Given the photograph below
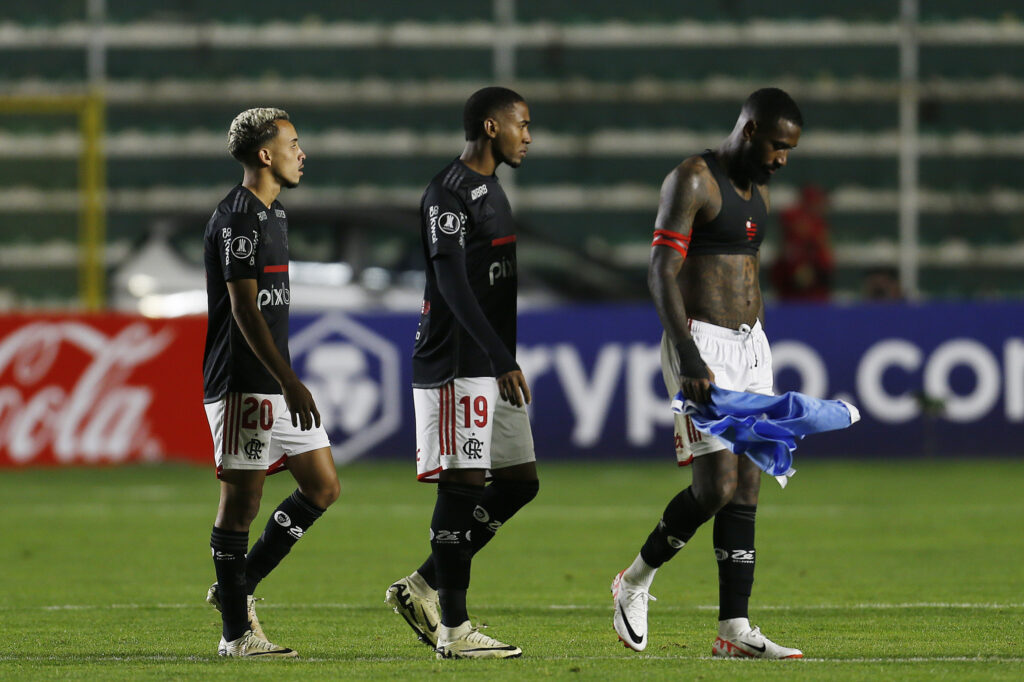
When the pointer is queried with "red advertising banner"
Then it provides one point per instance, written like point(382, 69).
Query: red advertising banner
point(101, 389)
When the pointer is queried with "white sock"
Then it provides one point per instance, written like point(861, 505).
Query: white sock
point(640, 573)
point(732, 627)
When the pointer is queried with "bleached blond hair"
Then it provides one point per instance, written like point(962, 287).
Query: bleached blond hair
point(252, 129)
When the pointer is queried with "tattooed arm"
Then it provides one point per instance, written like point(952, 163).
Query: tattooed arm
point(684, 194)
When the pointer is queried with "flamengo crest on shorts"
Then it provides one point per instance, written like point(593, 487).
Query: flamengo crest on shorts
point(254, 431)
point(464, 425)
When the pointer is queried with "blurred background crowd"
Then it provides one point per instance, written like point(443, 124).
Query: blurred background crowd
point(113, 116)
point(905, 189)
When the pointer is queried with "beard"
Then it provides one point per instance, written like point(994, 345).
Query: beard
point(759, 173)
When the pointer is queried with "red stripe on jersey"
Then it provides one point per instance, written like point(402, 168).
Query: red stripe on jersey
point(451, 420)
point(224, 425)
point(230, 429)
point(232, 424)
point(236, 422)
point(695, 435)
point(441, 403)
point(503, 240)
point(275, 268)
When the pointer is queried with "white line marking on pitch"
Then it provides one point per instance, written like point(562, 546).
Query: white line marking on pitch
point(640, 657)
point(871, 606)
point(812, 607)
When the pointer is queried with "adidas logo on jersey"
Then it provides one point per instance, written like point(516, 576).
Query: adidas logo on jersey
point(477, 192)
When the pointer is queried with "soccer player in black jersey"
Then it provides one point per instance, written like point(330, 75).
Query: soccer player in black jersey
point(469, 392)
point(704, 280)
point(262, 418)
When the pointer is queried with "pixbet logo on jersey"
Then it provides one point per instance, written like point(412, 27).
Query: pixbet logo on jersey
point(501, 268)
point(274, 296)
point(354, 375)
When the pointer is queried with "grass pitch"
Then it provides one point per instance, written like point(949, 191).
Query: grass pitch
point(904, 570)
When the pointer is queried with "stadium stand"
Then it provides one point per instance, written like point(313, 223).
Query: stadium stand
point(619, 94)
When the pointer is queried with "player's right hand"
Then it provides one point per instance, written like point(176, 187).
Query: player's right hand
point(697, 389)
point(301, 405)
point(509, 386)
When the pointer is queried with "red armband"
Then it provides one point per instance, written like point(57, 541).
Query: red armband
point(673, 240)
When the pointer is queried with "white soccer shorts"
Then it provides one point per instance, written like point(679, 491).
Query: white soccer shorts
point(253, 431)
point(741, 360)
point(465, 425)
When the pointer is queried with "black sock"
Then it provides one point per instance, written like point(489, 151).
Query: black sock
point(734, 549)
point(499, 503)
point(289, 522)
point(682, 517)
point(452, 548)
point(228, 548)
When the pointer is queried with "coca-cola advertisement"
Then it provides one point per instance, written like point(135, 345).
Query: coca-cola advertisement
point(101, 389)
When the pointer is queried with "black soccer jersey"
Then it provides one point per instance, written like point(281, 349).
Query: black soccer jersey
point(739, 225)
point(462, 210)
point(244, 240)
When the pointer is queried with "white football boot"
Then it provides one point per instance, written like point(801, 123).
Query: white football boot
point(213, 599)
point(466, 641)
point(250, 645)
point(630, 619)
point(736, 639)
point(415, 601)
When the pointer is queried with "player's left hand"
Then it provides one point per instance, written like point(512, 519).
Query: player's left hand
point(301, 405)
point(509, 386)
point(697, 389)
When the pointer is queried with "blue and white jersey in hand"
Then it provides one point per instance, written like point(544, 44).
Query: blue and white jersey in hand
point(766, 428)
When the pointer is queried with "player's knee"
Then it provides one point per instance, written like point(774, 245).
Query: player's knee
point(324, 493)
point(745, 496)
point(716, 495)
point(518, 493)
point(328, 494)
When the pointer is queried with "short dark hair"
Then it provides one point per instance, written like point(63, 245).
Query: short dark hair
point(768, 105)
point(252, 129)
point(483, 104)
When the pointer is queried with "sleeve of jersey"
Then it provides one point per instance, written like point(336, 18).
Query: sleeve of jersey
point(238, 239)
point(673, 240)
point(450, 270)
point(444, 218)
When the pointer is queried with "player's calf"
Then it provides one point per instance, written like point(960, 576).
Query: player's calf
point(286, 526)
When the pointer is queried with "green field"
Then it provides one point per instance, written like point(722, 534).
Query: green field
point(904, 570)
